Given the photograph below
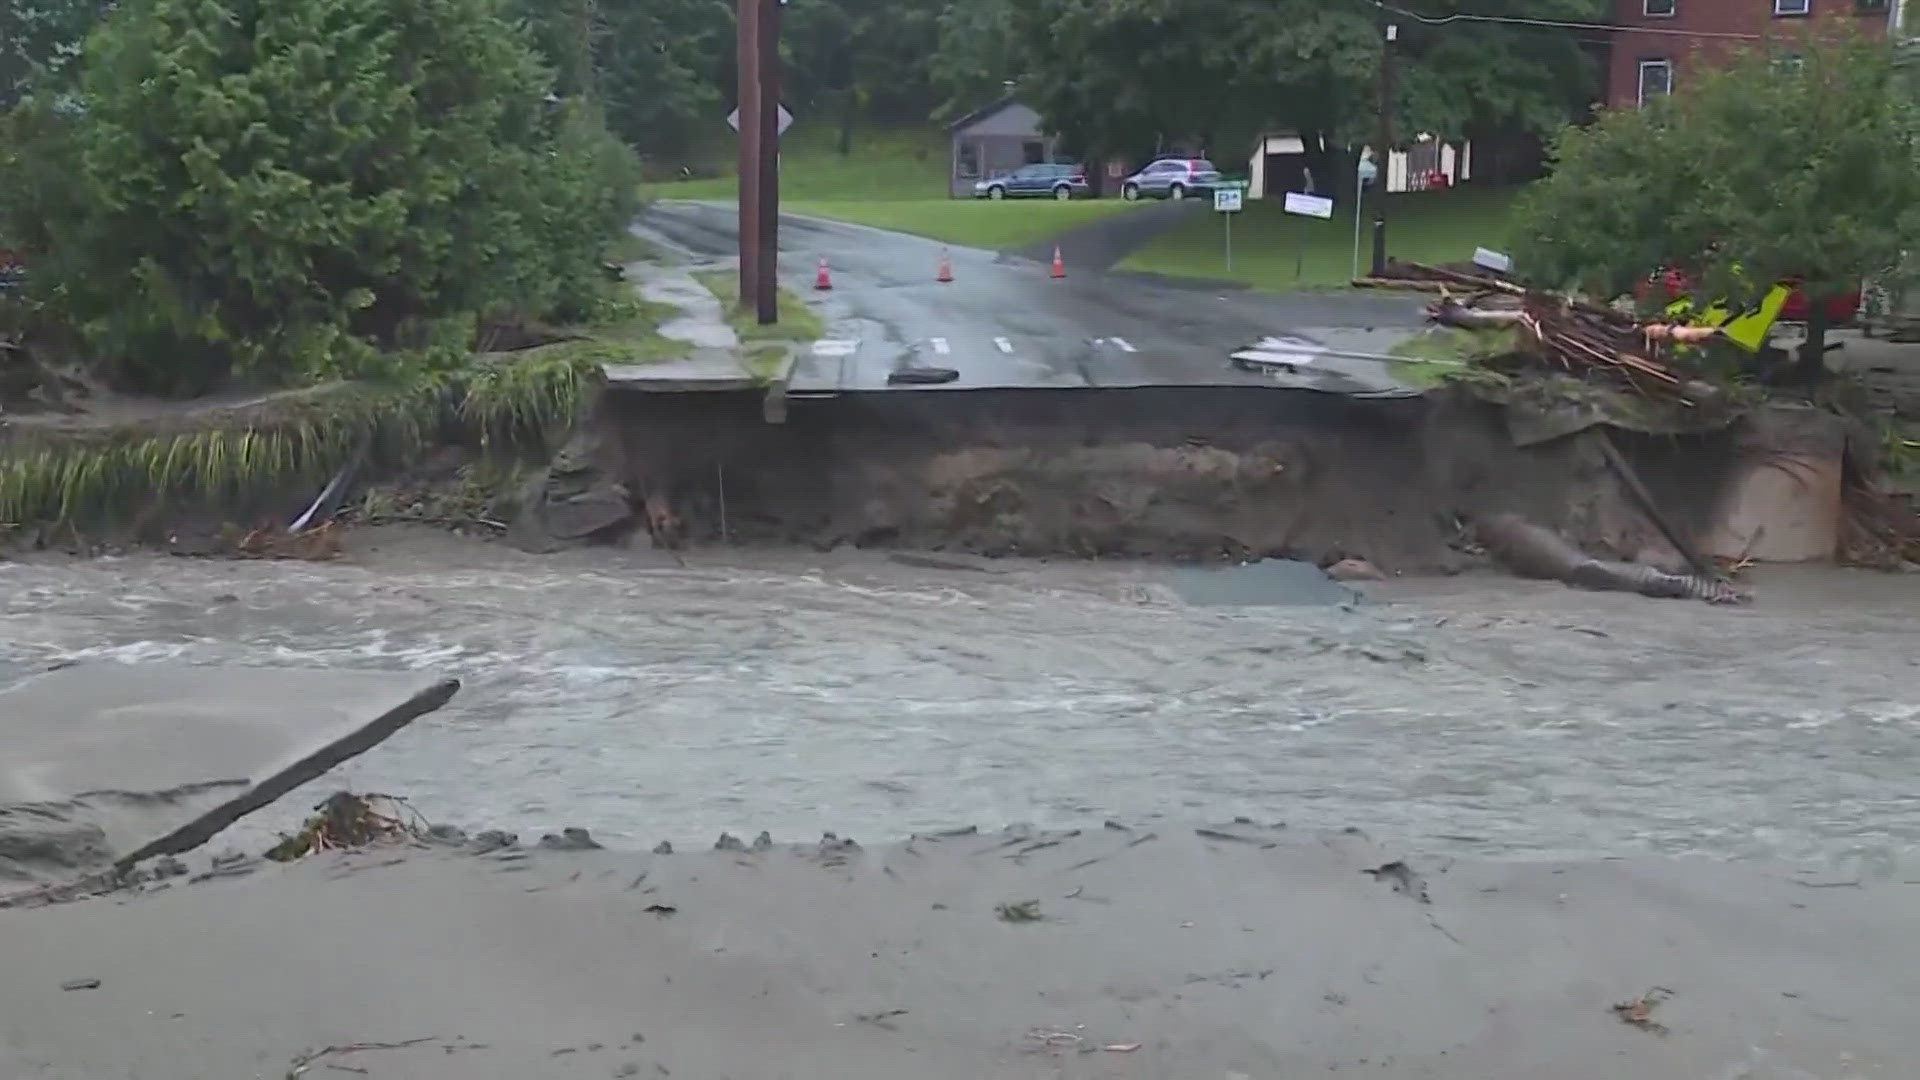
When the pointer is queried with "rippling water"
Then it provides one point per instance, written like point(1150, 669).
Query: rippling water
point(798, 692)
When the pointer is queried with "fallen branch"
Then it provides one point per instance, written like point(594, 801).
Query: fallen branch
point(304, 1062)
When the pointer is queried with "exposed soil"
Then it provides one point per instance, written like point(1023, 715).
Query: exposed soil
point(1159, 473)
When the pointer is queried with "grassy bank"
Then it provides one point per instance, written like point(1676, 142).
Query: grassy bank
point(887, 161)
point(896, 178)
point(76, 473)
point(1279, 251)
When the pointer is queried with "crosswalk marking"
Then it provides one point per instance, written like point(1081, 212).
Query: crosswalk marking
point(940, 346)
point(1003, 345)
point(1281, 351)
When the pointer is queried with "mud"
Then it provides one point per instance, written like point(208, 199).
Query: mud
point(1239, 950)
point(1198, 473)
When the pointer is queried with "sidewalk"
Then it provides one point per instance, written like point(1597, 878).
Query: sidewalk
point(714, 361)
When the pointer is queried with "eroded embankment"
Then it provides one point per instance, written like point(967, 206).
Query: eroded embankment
point(1185, 473)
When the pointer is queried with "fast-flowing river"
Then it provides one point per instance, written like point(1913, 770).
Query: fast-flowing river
point(798, 692)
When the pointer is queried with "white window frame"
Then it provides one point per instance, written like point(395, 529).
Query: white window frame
point(1646, 9)
point(1640, 86)
point(1792, 8)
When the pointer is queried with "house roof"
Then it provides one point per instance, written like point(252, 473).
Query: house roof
point(982, 112)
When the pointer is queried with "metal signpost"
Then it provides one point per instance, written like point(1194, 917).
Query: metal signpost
point(1363, 174)
point(1227, 201)
point(1313, 206)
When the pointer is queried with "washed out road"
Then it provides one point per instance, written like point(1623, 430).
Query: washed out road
point(1004, 322)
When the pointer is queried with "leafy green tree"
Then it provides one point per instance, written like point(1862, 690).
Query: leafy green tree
point(1120, 74)
point(300, 188)
point(41, 36)
point(1775, 167)
point(664, 69)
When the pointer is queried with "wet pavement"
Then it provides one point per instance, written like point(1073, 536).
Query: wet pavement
point(1003, 322)
point(798, 692)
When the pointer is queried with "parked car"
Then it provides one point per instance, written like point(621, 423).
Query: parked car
point(1171, 178)
point(1056, 181)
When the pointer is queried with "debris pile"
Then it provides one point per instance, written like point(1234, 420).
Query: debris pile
point(1575, 336)
point(345, 820)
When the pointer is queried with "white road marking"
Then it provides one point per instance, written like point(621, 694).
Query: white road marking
point(1124, 345)
point(1282, 351)
point(1003, 344)
point(940, 345)
point(834, 347)
point(1261, 356)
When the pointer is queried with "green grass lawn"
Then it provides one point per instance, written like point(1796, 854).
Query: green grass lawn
point(888, 161)
point(975, 223)
point(895, 178)
point(1279, 251)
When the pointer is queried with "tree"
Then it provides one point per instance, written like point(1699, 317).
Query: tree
point(661, 66)
point(299, 188)
point(1118, 74)
point(1775, 167)
point(41, 36)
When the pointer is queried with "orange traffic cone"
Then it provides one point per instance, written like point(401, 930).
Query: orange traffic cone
point(1059, 265)
point(946, 267)
point(821, 279)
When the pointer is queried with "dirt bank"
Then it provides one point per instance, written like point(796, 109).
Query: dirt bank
point(1235, 952)
point(1184, 473)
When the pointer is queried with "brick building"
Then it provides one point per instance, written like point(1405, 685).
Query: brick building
point(1656, 59)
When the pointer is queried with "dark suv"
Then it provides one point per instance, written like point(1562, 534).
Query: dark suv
point(1171, 178)
point(1036, 182)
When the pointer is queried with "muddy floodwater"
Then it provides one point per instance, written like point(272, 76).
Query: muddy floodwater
point(796, 692)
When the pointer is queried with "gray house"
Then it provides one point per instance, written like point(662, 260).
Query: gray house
point(993, 141)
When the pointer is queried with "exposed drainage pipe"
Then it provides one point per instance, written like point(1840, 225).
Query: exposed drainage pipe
point(1533, 552)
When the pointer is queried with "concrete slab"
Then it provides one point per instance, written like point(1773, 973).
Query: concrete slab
point(131, 761)
point(706, 370)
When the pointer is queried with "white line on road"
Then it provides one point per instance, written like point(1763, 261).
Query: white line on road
point(1003, 344)
point(940, 345)
point(1125, 346)
point(1265, 356)
point(834, 347)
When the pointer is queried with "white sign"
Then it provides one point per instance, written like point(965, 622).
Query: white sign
point(1309, 205)
point(786, 120)
point(1492, 260)
point(1226, 200)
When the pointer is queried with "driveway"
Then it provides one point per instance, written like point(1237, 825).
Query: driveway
point(1004, 322)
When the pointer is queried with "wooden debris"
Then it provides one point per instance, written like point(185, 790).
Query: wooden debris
point(1575, 336)
point(317, 544)
point(1639, 1011)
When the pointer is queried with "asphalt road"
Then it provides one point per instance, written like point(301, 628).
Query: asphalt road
point(1004, 322)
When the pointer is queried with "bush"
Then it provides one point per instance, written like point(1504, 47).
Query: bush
point(298, 189)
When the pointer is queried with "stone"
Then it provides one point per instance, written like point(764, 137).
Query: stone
point(663, 848)
point(493, 840)
point(600, 508)
point(1355, 570)
point(571, 838)
point(728, 842)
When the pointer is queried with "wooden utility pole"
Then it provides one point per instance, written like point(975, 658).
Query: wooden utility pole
point(1383, 155)
point(766, 298)
point(748, 59)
